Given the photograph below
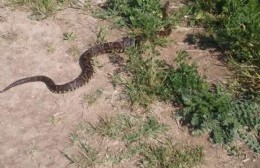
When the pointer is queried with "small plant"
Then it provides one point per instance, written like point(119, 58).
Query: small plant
point(166, 155)
point(115, 79)
point(77, 4)
point(69, 36)
point(181, 81)
point(251, 140)
point(86, 156)
point(74, 51)
point(50, 48)
point(55, 119)
point(101, 36)
point(234, 149)
point(92, 98)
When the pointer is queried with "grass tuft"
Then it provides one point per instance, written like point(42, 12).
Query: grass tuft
point(41, 9)
point(128, 128)
point(140, 142)
point(167, 155)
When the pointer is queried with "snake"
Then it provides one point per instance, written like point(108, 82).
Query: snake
point(85, 60)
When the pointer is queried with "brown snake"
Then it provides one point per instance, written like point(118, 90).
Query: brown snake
point(85, 61)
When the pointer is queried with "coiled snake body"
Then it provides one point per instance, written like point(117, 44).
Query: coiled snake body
point(85, 61)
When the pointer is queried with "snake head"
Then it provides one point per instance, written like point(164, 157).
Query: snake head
point(127, 42)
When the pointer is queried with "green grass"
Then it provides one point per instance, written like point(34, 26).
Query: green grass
point(234, 25)
point(101, 35)
point(69, 36)
point(145, 76)
point(74, 51)
point(90, 99)
point(127, 128)
point(41, 9)
point(86, 156)
point(151, 79)
point(141, 17)
point(166, 155)
point(205, 108)
point(144, 140)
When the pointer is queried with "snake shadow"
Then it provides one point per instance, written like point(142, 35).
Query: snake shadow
point(205, 42)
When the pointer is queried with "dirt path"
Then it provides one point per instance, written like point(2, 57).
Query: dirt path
point(35, 124)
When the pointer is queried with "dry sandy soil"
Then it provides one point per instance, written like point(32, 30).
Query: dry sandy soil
point(35, 123)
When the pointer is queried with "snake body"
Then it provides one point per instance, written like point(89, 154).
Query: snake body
point(85, 61)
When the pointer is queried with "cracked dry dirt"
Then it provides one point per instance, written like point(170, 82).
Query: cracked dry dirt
point(35, 123)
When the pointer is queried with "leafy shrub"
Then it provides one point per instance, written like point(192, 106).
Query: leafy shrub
point(143, 15)
point(181, 80)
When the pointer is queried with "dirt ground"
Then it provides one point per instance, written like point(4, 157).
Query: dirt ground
point(35, 124)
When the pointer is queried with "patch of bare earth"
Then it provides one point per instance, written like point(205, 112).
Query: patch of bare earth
point(35, 124)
